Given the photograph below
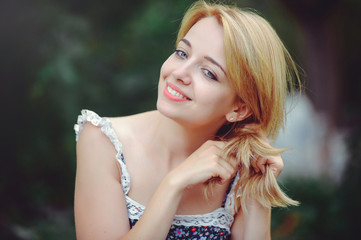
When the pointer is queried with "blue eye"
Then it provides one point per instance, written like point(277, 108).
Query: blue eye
point(180, 53)
point(209, 74)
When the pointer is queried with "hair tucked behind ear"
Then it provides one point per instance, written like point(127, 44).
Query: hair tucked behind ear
point(260, 69)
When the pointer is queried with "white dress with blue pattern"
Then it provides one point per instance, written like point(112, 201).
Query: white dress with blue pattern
point(215, 225)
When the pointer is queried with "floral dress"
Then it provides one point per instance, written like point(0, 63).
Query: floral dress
point(215, 225)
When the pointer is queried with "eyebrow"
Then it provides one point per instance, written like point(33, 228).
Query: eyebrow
point(206, 57)
point(186, 42)
point(215, 63)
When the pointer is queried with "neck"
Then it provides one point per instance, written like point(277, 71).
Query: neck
point(177, 141)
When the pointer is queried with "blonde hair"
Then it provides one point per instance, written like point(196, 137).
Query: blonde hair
point(261, 71)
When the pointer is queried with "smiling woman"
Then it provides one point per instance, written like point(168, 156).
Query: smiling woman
point(200, 166)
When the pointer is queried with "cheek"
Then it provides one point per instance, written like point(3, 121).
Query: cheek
point(213, 95)
point(218, 100)
point(166, 67)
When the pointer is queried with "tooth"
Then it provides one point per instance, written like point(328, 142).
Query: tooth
point(175, 93)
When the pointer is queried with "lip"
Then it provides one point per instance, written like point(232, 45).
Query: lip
point(172, 97)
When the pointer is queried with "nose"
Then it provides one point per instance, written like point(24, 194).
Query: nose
point(183, 73)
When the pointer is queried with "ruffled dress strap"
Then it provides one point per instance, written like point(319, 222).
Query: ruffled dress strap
point(107, 128)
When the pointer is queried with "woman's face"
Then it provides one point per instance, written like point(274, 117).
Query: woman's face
point(193, 85)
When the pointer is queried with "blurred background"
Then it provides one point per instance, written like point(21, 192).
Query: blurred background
point(58, 57)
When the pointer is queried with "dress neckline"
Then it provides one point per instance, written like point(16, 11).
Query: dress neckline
point(108, 130)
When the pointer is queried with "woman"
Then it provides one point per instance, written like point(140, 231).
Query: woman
point(199, 167)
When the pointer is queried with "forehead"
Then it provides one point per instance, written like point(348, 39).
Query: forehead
point(207, 36)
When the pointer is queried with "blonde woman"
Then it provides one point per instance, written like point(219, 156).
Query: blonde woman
point(199, 166)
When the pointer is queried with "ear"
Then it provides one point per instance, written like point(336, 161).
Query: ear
point(238, 113)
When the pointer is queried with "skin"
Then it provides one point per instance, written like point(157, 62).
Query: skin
point(171, 156)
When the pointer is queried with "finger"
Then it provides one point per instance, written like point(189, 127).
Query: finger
point(229, 167)
point(274, 170)
point(261, 164)
point(254, 165)
point(226, 169)
point(276, 164)
point(233, 163)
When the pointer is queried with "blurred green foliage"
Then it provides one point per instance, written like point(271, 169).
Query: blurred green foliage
point(63, 56)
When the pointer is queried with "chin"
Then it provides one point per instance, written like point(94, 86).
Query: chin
point(166, 110)
point(186, 120)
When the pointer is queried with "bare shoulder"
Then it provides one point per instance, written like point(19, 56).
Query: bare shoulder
point(91, 136)
point(128, 127)
point(96, 151)
point(94, 144)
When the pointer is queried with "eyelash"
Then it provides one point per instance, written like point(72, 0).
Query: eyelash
point(178, 52)
point(209, 74)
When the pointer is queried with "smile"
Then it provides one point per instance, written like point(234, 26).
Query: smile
point(173, 94)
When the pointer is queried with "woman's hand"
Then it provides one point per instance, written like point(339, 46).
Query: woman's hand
point(204, 164)
point(274, 162)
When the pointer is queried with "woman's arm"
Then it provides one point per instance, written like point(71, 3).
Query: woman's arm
point(100, 209)
point(256, 223)
point(253, 225)
point(99, 203)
